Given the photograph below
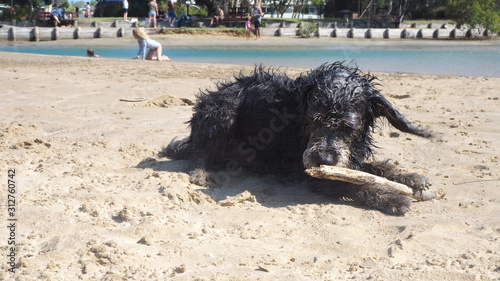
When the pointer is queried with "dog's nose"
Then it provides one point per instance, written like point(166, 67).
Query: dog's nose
point(326, 159)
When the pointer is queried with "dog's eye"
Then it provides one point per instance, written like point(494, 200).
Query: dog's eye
point(348, 126)
point(334, 120)
point(343, 122)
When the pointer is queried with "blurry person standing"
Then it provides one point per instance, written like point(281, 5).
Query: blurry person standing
point(257, 18)
point(125, 10)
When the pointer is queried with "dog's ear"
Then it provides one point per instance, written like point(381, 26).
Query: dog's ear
point(306, 91)
point(382, 107)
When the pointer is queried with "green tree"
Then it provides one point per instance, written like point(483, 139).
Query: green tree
point(25, 9)
point(280, 6)
point(320, 6)
point(209, 4)
point(482, 14)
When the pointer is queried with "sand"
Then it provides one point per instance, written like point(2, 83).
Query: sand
point(94, 202)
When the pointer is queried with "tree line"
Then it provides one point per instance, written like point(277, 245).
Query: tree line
point(483, 14)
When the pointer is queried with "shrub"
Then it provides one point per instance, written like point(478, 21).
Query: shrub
point(306, 30)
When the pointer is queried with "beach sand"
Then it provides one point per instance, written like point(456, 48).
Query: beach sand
point(94, 202)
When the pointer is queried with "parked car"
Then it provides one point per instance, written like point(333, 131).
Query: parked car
point(109, 8)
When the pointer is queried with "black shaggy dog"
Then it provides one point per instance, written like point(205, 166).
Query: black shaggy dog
point(268, 122)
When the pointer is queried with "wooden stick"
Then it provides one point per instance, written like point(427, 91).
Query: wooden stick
point(359, 178)
point(356, 177)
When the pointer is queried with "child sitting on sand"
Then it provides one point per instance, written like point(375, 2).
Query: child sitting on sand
point(145, 43)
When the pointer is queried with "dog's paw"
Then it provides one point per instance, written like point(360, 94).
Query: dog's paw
point(415, 181)
point(387, 201)
point(199, 177)
point(426, 195)
point(397, 206)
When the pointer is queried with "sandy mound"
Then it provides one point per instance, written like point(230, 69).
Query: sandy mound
point(168, 101)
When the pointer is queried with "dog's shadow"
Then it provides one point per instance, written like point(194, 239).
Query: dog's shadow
point(267, 190)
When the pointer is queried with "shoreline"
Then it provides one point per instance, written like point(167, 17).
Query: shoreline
point(183, 40)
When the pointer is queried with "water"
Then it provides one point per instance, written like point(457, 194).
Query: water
point(445, 58)
point(470, 61)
